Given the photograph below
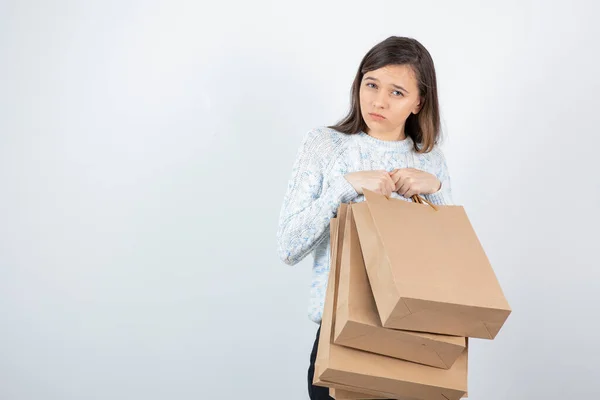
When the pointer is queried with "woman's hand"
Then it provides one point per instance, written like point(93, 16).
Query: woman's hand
point(411, 181)
point(375, 181)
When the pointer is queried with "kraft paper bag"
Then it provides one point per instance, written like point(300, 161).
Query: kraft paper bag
point(343, 391)
point(427, 269)
point(357, 323)
point(341, 394)
point(374, 374)
point(345, 394)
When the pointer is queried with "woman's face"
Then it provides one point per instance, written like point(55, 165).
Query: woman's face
point(392, 93)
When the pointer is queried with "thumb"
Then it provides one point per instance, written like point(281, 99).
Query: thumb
point(395, 176)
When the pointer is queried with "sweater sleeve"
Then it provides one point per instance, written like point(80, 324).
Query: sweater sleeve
point(308, 206)
point(444, 195)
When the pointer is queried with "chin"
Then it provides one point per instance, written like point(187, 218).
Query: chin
point(374, 126)
point(370, 124)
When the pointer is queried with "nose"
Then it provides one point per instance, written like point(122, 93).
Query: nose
point(380, 100)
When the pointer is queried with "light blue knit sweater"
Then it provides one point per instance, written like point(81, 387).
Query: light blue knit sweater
point(317, 187)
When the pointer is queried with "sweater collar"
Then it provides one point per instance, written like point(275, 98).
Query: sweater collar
point(406, 144)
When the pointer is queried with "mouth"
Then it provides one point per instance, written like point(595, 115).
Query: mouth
point(376, 116)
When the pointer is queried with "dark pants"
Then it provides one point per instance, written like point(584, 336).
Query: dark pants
point(316, 392)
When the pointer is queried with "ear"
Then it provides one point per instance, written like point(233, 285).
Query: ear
point(418, 107)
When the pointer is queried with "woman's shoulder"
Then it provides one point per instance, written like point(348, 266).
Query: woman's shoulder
point(436, 153)
point(324, 140)
point(433, 159)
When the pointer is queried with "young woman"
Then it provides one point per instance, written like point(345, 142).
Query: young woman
point(388, 143)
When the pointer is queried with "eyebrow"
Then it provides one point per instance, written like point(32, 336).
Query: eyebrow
point(370, 78)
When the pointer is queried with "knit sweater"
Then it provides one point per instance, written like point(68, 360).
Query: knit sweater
point(317, 187)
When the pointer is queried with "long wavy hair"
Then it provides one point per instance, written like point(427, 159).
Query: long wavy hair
point(423, 127)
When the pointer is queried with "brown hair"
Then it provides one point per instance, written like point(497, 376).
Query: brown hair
point(424, 127)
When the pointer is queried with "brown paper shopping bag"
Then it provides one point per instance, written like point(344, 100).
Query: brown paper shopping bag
point(343, 391)
point(373, 374)
point(357, 323)
point(341, 394)
point(427, 269)
point(345, 394)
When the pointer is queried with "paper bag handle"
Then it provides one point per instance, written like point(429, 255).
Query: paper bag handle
point(418, 199)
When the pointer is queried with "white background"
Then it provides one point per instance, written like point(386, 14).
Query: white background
point(145, 149)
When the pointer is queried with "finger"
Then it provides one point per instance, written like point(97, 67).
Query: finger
point(408, 186)
point(403, 188)
point(391, 185)
point(398, 176)
point(383, 183)
point(403, 184)
point(394, 176)
point(385, 191)
point(410, 193)
point(381, 188)
point(414, 189)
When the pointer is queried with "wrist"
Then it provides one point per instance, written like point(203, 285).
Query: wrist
point(349, 178)
point(350, 182)
point(437, 187)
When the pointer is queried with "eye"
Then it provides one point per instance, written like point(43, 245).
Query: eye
point(399, 93)
point(368, 85)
